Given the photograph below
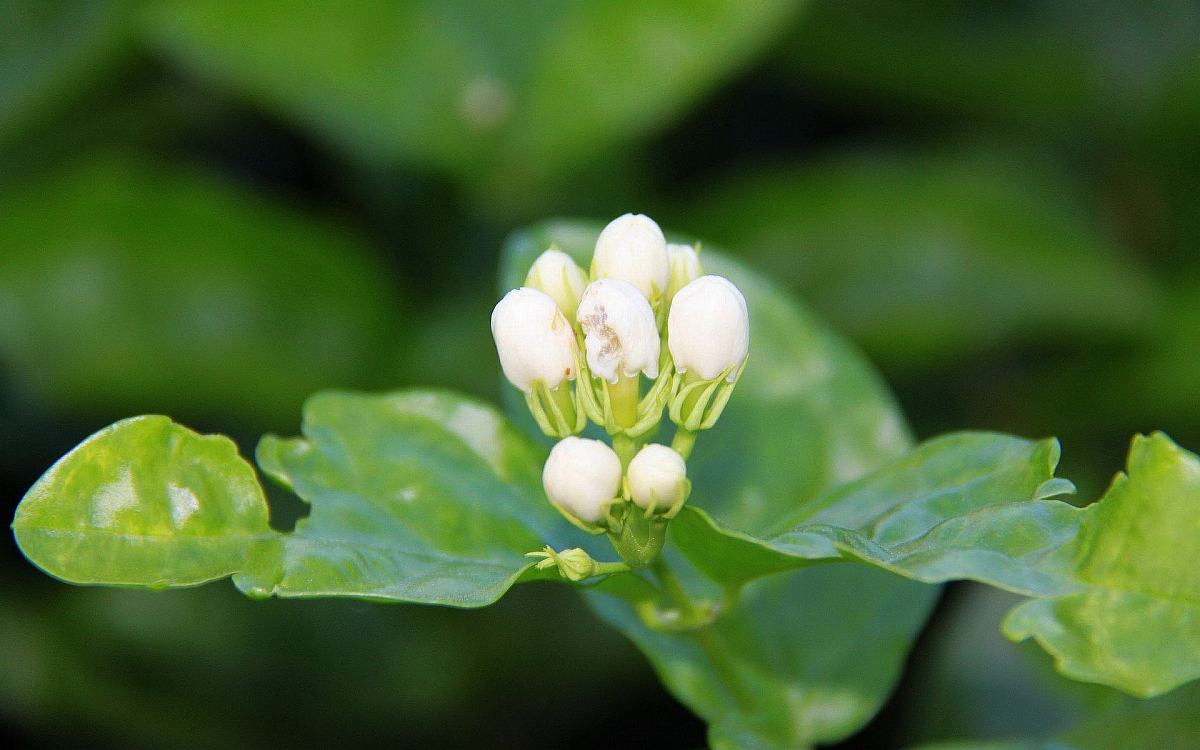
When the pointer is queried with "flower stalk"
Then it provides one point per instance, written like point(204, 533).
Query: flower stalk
point(623, 395)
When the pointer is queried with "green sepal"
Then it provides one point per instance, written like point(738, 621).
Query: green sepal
point(650, 408)
point(546, 406)
point(596, 402)
point(678, 504)
point(638, 537)
point(660, 303)
point(652, 510)
point(697, 405)
point(582, 525)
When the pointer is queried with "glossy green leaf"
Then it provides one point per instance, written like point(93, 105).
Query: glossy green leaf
point(145, 502)
point(1137, 624)
point(416, 496)
point(1115, 597)
point(807, 415)
point(125, 288)
point(925, 257)
point(513, 91)
point(965, 505)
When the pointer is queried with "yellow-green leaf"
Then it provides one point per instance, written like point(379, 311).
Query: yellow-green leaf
point(145, 502)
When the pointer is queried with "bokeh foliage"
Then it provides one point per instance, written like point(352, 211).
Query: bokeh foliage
point(212, 209)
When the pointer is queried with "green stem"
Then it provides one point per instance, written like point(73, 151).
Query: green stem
point(624, 398)
point(689, 403)
point(566, 407)
point(683, 442)
point(606, 568)
point(725, 667)
point(671, 586)
point(706, 637)
point(625, 448)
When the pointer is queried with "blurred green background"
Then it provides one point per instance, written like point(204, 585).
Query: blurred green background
point(211, 209)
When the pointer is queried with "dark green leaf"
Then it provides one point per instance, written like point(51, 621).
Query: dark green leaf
point(1116, 598)
point(808, 414)
point(1167, 722)
point(923, 257)
point(416, 496)
point(51, 51)
point(1057, 65)
point(525, 90)
point(126, 288)
point(961, 506)
point(145, 502)
point(1157, 380)
point(973, 683)
point(806, 657)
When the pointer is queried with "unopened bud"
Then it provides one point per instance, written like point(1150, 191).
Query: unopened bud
point(708, 329)
point(621, 337)
point(573, 564)
point(658, 478)
point(581, 476)
point(685, 267)
point(556, 274)
point(535, 342)
point(632, 248)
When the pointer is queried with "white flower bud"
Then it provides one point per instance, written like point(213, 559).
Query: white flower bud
point(580, 476)
point(708, 328)
point(685, 267)
point(535, 342)
point(556, 274)
point(632, 248)
point(620, 335)
point(657, 475)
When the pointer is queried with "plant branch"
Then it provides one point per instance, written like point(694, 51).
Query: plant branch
point(706, 637)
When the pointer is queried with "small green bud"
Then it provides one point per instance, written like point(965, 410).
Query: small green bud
point(574, 564)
